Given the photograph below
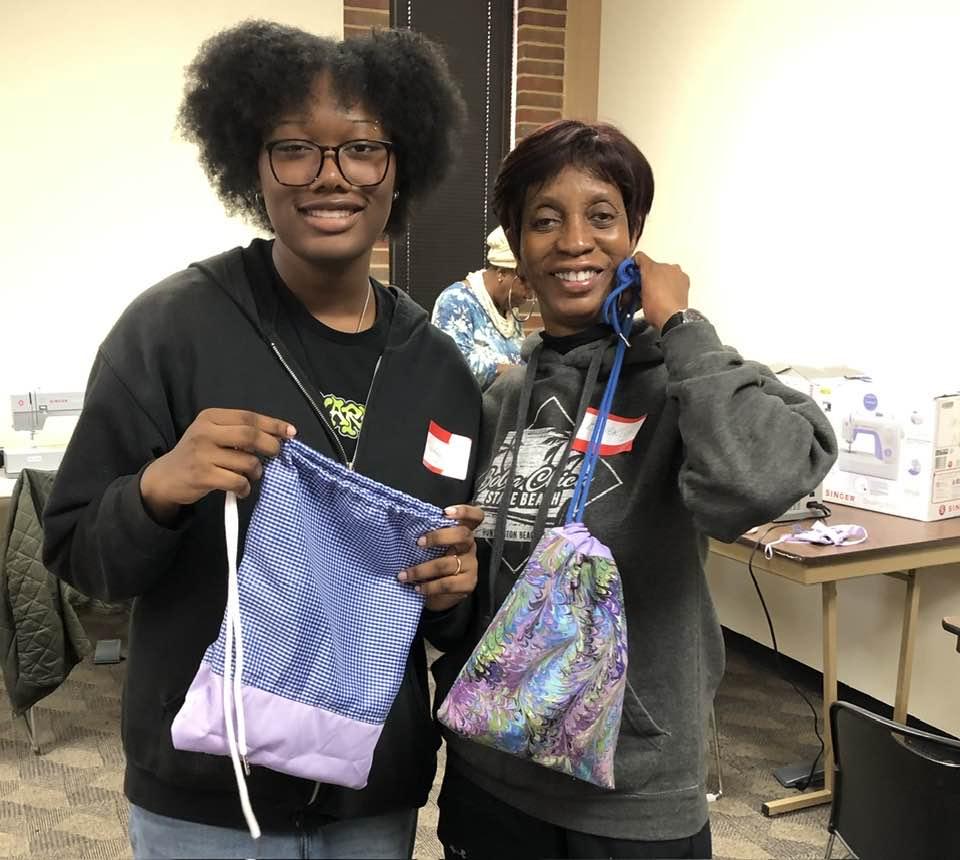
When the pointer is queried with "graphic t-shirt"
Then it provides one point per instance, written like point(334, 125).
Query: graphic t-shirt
point(547, 431)
point(340, 365)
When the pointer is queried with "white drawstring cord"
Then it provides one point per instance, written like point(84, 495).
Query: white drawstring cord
point(238, 670)
point(232, 686)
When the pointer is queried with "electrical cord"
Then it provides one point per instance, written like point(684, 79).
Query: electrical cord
point(823, 512)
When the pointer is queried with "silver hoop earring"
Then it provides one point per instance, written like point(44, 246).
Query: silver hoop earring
point(513, 310)
point(523, 319)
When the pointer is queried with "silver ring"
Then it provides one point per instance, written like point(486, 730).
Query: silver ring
point(459, 566)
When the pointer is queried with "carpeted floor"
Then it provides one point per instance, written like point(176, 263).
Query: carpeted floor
point(68, 801)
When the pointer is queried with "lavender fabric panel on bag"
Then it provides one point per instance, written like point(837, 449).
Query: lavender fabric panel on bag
point(312, 741)
point(326, 626)
point(546, 680)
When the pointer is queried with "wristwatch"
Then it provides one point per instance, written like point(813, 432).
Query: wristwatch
point(680, 317)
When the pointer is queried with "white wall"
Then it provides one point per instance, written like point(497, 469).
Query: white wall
point(808, 180)
point(102, 199)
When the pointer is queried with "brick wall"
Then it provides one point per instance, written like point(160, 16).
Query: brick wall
point(359, 16)
point(541, 32)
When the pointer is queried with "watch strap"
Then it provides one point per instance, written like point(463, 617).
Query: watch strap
point(679, 318)
point(672, 322)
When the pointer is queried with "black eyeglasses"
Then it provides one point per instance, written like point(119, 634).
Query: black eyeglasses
point(297, 163)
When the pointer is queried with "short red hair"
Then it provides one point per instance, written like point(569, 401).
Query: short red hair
point(600, 148)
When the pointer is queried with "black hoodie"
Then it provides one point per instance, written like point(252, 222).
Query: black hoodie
point(200, 339)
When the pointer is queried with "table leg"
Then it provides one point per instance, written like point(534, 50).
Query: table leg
point(905, 666)
point(829, 677)
point(824, 795)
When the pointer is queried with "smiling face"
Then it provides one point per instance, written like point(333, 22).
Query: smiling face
point(573, 235)
point(330, 221)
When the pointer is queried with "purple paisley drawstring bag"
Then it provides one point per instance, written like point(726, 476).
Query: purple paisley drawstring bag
point(546, 680)
point(317, 628)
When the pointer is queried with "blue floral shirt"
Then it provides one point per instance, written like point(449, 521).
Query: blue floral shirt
point(460, 313)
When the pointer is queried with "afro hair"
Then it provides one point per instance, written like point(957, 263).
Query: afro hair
point(244, 78)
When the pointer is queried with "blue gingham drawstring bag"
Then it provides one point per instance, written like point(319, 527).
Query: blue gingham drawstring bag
point(317, 628)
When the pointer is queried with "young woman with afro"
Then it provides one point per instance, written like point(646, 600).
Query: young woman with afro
point(326, 145)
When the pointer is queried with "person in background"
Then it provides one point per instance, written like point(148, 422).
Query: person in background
point(481, 314)
point(208, 372)
point(700, 443)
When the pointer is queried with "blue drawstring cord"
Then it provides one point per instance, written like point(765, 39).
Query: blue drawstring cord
point(621, 321)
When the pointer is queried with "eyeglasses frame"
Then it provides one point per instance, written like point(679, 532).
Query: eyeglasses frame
point(269, 147)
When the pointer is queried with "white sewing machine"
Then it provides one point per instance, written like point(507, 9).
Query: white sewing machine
point(30, 414)
point(880, 456)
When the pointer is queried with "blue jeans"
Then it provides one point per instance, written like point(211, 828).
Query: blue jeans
point(380, 836)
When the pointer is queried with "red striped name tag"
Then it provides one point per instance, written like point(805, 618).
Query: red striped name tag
point(618, 433)
point(447, 453)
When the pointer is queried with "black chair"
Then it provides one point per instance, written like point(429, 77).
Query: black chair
point(896, 790)
point(952, 625)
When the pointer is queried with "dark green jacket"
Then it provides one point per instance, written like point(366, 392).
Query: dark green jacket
point(41, 637)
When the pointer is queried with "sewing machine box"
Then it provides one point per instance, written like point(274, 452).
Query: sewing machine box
point(818, 383)
point(899, 447)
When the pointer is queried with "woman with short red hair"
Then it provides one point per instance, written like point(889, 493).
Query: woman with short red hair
point(701, 443)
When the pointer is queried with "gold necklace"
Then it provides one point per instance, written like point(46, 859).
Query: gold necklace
point(363, 313)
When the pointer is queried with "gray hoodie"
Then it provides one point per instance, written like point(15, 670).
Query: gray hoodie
point(702, 443)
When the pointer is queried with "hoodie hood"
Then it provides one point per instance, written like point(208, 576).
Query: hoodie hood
point(258, 302)
point(644, 349)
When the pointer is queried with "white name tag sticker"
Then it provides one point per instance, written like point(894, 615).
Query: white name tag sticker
point(447, 453)
point(618, 433)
